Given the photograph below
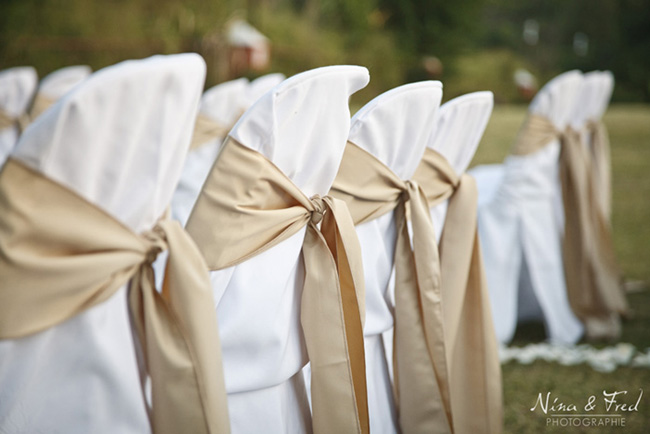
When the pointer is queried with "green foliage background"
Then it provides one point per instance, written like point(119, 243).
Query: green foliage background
point(478, 41)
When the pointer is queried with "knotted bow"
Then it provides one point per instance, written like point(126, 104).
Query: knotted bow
point(247, 206)
point(472, 351)
point(56, 264)
point(370, 190)
point(590, 267)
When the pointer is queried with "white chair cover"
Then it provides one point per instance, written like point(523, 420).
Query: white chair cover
point(519, 229)
point(17, 86)
point(58, 83)
point(261, 85)
point(120, 141)
point(223, 104)
point(394, 127)
point(460, 124)
point(301, 126)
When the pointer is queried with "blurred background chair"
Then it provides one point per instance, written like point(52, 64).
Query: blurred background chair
point(120, 141)
point(221, 107)
point(519, 229)
point(17, 86)
point(56, 84)
point(261, 85)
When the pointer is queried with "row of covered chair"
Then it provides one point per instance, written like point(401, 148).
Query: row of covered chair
point(544, 217)
point(23, 98)
point(329, 277)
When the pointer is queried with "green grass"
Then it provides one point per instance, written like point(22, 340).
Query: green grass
point(629, 130)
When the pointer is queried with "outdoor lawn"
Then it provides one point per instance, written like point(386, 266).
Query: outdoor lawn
point(629, 129)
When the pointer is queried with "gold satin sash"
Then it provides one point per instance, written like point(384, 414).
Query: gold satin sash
point(40, 104)
point(207, 130)
point(60, 255)
point(602, 166)
point(8, 121)
point(420, 367)
point(472, 350)
point(590, 268)
point(247, 206)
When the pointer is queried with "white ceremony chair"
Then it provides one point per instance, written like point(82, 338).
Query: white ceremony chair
point(520, 233)
point(17, 86)
point(394, 127)
point(119, 141)
point(470, 341)
point(56, 84)
point(460, 124)
point(301, 126)
point(221, 106)
point(592, 104)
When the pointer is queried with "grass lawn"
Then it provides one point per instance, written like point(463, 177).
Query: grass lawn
point(629, 130)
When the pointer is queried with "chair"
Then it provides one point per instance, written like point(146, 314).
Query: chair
point(598, 297)
point(120, 141)
point(460, 124)
point(300, 126)
point(221, 106)
point(470, 341)
point(519, 229)
point(394, 128)
point(56, 84)
point(17, 86)
point(594, 99)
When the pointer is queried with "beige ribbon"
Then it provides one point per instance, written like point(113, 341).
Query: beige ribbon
point(602, 166)
point(41, 103)
point(60, 255)
point(591, 271)
point(8, 121)
point(207, 130)
point(371, 190)
point(247, 206)
point(472, 350)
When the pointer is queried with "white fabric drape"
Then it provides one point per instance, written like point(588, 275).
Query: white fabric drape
point(125, 156)
point(17, 86)
point(301, 126)
point(519, 228)
point(394, 127)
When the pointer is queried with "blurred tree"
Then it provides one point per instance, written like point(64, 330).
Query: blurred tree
point(434, 26)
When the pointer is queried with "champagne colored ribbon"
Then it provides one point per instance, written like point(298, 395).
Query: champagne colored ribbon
point(60, 255)
point(602, 166)
point(8, 121)
point(472, 350)
point(247, 206)
point(591, 271)
point(207, 130)
point(371, 190)
point(41, 103)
